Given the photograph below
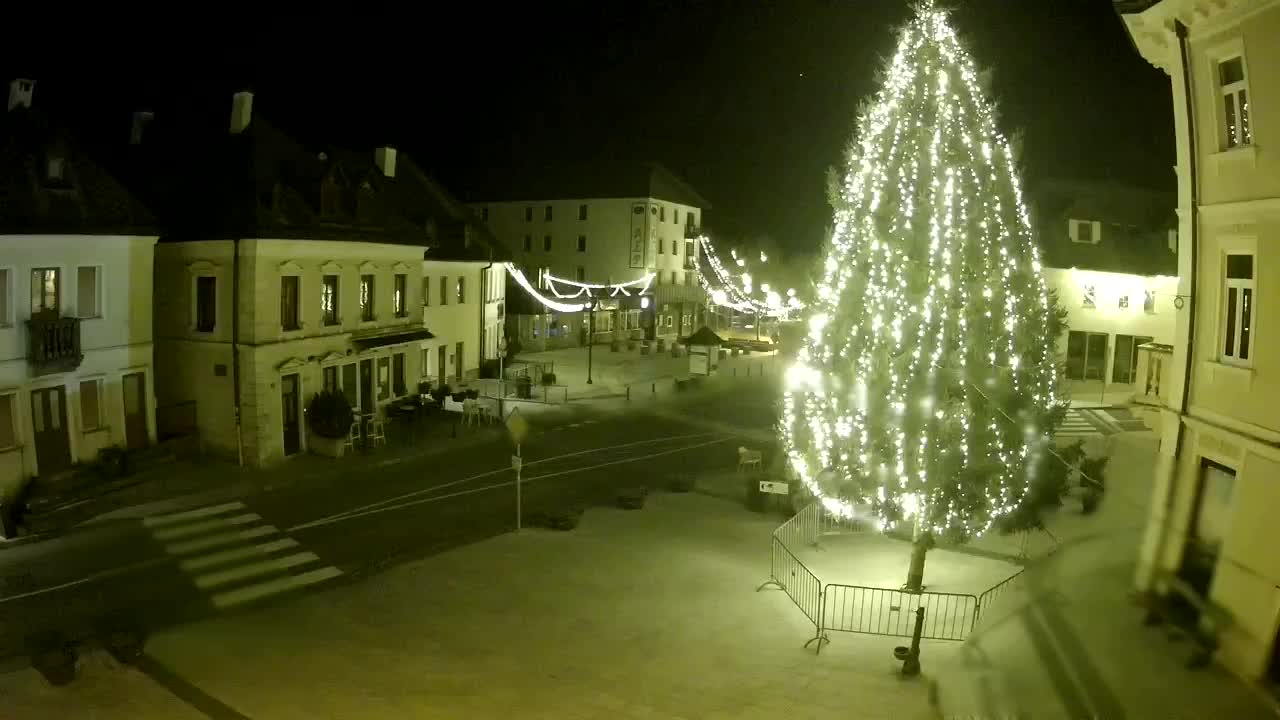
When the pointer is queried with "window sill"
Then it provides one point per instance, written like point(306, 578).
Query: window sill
point(89, 317)
point(11, 448)
point(1244, 153)
point(1217, 368)
point(95, 431)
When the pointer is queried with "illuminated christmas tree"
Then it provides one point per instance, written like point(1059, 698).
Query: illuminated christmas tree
point(928, 388)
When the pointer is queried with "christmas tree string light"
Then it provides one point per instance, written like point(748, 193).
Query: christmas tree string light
point(927, 387)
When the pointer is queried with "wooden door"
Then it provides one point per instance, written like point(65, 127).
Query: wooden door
point(135, 410)
point(49, 426)
point(289, 413)
point(366, 386)
point(457, 364)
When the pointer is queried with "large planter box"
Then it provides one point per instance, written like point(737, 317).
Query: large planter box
point(329, 447)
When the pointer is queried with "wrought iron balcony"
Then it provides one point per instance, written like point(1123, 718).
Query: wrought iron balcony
point(54, 344)
point(692, 232)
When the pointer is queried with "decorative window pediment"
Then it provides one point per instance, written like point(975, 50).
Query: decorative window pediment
point(332, 357)
point(201, 266)
point(368, 266)
point(331, 268)
point(290, 267)
point(293, 363)
point(401, 267)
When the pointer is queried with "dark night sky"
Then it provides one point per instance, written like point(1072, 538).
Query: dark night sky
point(751, 101)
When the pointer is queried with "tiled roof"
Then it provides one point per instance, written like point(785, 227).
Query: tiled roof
point(583, 181)
point(1135, 227)
point(86, 199)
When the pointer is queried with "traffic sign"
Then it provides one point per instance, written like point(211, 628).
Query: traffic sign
point(517, 426)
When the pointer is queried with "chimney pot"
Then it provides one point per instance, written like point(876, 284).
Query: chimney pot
point(140, 120)
point(385, 157)
point(20, 90)
point(241, 111)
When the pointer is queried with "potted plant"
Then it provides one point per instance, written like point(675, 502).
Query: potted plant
point(112, 462)
point(54, 657)
point(1092, 477)
point(329, 419)
point(473, 394)
point(549, 378)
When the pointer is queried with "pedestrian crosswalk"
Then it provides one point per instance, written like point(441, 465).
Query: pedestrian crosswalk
point(1082, 424)
point(233, 556)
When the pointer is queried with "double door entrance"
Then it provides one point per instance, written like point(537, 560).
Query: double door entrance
point(51, 428)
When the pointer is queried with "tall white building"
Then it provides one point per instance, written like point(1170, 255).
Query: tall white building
point(75, 304)
point(1212, 518)
point(602, 228)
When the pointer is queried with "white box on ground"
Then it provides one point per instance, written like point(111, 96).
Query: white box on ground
point(776, 488)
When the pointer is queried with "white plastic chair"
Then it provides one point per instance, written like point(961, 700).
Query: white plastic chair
point(749, 459)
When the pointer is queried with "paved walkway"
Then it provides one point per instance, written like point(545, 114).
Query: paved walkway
point(1068, 642)
point(613, 372)
point(635, 614)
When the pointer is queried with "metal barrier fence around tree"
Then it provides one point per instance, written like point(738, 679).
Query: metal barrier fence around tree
point(859, 609)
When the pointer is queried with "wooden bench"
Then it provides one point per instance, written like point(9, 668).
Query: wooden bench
point(1203, 628)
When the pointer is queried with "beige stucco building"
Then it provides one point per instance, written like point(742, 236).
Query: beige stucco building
point(285, 271)
point(1212, 520)
point(75, 310)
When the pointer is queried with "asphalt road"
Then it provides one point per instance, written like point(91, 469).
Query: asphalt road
point(164, 570)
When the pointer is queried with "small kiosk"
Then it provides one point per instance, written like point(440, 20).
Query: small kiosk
point(704, 351)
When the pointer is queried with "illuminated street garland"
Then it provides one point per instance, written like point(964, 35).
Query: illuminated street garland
point(640, 286)
point(724, 290)
point(932, 316)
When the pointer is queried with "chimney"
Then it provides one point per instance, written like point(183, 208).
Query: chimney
point(385, 157)
point(20, 92)
point(140, 120)
point(241, 111)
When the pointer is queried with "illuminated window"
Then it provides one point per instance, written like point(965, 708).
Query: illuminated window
point(401, 296)
point(1237, 316)
point(1090, 296)
point(462, 290)
point(329, 300)
point(1235, 103)
point(366, 298)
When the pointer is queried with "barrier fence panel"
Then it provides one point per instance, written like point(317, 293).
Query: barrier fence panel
point(803, 528)
point(878, 611)
point(988, 597)
point(799, 583)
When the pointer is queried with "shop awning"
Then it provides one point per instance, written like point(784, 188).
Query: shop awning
point(390, 336)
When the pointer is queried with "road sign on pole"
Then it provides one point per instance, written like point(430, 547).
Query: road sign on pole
point(517, 426)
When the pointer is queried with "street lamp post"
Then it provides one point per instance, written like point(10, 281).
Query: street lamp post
point(591, 331)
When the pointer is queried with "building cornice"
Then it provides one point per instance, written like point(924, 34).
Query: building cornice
point(1243, 209)
point(1152, 28)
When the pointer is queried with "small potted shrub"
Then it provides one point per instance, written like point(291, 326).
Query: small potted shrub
point(424, 388)
point(112, 462)
point(54, 657)
point(329, 419)
point(632, 499)
point(548, 378)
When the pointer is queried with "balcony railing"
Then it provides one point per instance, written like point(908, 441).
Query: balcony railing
point(692, 232)
point(54, 344)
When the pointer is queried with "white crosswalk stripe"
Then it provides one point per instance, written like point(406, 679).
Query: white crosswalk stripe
point(1077, 426)
point(234, 556)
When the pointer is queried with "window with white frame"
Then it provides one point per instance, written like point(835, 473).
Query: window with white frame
point(1084, 231)
point(91, 405)
point(88, 291)
point(8, 426)
point(1233, 86)
point(1237, 303)
point(6, 302)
